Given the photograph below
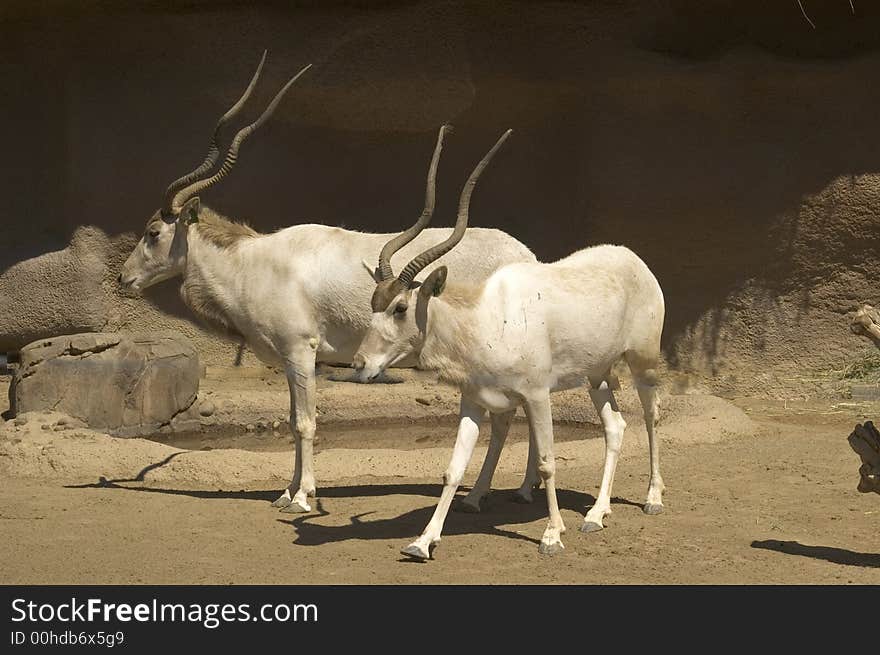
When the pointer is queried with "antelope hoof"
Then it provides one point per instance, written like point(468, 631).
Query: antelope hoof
point(467, 506)
point(652, 508)
point(552, 548)
point(416, 552)
point(283, 500)
point(522, 497)
point(591, 526)
point(296, 507)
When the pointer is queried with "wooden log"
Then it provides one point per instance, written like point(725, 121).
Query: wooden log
point(865, 441)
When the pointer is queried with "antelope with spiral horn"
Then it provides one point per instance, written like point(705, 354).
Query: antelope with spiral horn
point(297, 296)
point(511, 340)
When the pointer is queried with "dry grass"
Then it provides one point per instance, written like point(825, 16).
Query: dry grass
point(865, 367)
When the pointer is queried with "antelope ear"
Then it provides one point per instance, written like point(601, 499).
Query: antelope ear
point(374, 272)
point(434, 283)
point(189, 213)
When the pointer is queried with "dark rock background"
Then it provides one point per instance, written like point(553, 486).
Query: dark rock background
point(730, 144)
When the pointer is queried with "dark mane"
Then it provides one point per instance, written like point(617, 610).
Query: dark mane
point(217, 229)
point(220, 231)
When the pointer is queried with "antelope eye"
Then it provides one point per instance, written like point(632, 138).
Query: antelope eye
point(153, 233)
point(400, 310)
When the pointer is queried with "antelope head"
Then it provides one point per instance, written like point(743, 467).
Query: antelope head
point(162, 250)
point(400, 304)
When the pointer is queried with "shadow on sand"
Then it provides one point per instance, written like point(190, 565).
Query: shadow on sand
point(827, 553)
point(498, 510)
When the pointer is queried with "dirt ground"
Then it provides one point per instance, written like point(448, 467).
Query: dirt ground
point(757, 492)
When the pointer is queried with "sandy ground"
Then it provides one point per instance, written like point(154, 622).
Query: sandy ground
point(758, 492)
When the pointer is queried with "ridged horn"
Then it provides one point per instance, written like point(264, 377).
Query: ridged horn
point(405, 237)
point(408, 274)
point(232, 154)
point(214, 149)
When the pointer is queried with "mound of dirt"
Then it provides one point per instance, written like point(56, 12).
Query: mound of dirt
point(53, 446)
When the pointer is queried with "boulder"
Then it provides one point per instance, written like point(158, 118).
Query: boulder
point(57, 292)
point(123, 383)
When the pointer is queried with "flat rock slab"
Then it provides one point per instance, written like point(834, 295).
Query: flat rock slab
point(865, 392)
point(126, 384)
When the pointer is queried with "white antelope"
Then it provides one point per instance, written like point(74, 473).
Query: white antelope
point(526, 331)
point(295, 297)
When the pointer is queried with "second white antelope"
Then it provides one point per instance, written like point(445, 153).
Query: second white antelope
point(528, 330)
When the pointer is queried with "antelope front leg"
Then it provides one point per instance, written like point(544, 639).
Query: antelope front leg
point(470, 416)
point(300, 371)
point(541, 427)
point(500, 428)
point(614, 425)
